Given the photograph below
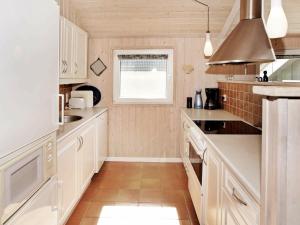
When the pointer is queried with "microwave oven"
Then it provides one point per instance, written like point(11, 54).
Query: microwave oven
point(25, 174)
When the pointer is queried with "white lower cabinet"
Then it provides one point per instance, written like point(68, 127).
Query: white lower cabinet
point(67, 175)
point(76, 165)
point(229, 214)
point(102, 140)
point(85, 156)
point(225, 200)
point(213, 193)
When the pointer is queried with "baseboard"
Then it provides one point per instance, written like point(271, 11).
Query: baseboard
point(143, 159)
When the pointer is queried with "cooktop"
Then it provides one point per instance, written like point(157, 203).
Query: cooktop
point(226, 127)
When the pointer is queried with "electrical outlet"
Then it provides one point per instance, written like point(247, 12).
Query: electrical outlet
point(224, 98)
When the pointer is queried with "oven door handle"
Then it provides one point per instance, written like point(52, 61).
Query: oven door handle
point(199, 151)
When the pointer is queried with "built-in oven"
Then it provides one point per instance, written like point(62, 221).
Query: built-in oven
point(25, 174)
point(196, 148)
point(196, 161)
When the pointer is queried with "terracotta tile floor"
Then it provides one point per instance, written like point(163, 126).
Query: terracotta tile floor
point(136, 194)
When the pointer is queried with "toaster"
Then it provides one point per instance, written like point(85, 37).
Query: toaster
point(77, 103)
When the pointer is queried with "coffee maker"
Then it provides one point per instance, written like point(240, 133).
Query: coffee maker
point(212, 98)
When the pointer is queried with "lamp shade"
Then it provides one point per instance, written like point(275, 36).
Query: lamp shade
point(208, 48)
point(277, 24)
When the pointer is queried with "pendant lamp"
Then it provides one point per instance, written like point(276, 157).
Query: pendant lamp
point(277, 24)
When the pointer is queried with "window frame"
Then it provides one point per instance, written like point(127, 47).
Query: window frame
point(117, 77)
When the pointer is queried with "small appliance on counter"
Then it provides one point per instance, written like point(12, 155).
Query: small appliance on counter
point(198, 103)
point(77, 103)
point(212, 98)
point(86, 95)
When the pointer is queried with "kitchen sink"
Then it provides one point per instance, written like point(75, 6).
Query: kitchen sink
point(71, 118)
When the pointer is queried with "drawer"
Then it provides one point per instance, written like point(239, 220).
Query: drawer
point(197, 198)
point(242, 200)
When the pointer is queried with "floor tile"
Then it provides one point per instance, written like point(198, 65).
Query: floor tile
point(150, 183)
point(152, 196)
point(96, 209)
point(136, 194)
point(128, 195)
point(106, 195)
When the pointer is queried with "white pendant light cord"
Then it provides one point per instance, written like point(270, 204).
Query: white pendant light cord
point(208, 48)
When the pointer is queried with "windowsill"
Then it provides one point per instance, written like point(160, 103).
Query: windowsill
point(143, 103)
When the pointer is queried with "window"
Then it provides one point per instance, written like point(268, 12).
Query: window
point(143, 76)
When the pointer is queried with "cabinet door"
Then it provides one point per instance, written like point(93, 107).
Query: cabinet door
point(66, 50)
point(86, 156)
point(213, 189)
point(62, 53)
point(229, 214)
point(80, 53)
point(66, 170)
point(102, 140)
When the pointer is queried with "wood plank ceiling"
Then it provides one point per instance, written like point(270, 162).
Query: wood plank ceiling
point(166, 18)
point(140, 18)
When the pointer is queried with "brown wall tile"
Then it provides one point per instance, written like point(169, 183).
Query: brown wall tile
point(242, 102)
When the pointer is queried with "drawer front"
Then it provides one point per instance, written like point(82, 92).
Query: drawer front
point(242, 200)
point(195, 192)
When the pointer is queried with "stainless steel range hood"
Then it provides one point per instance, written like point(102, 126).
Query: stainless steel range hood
point(248, 43)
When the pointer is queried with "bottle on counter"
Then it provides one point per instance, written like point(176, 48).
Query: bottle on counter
point(265, 77)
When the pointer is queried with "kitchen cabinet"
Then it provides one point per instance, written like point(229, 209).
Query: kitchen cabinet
point(66, 171)
point(75, 169)
point(77, 154)
point(229, 214)
point(214, 172)
point(102, 140)
point(73, 53)
point(80, 55)
point(85, 156)
point(224, 198)
point(280, 192)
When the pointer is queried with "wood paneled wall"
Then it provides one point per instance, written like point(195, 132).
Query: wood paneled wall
point(149, 130)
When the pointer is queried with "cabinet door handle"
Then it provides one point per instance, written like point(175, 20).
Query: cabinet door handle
point(204, 157)
point(80, 143)
point(82, 140)
point(238, 198)
point(76, 68)
point(66, 66)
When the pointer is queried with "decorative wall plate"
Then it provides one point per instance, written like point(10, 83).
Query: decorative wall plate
point(98, 67)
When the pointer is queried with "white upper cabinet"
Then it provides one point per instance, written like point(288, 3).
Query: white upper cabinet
point(80, 61)
point(73, 53)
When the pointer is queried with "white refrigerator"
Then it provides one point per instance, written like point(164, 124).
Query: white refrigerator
point(29, 71)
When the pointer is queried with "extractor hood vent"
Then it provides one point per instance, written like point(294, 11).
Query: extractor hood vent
point(248, 43)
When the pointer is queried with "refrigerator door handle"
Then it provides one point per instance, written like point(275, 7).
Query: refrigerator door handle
point(61, 120)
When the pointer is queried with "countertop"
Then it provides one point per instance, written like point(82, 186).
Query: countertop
point(88, 114)
point(202, 114)
point(241, 153)
point(270, 83)
point(277, 91)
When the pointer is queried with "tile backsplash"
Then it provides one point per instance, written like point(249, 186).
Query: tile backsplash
point(242, 102)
